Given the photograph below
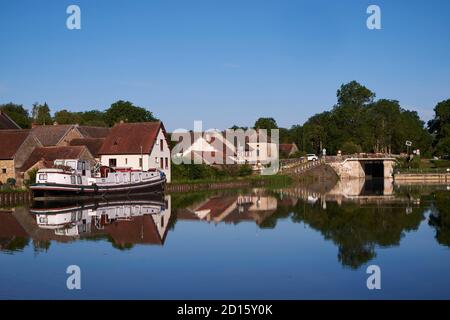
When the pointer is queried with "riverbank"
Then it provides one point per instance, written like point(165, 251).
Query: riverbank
point(15, 197)
point(422, 178)
point(270, 181)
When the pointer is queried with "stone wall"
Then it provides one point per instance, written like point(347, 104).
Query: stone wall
point(348, 169)
point(8, 166)
point(72, 134)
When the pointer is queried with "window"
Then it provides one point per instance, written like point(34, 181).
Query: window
point(113, 162)
point(126, 160)
point(4, 170)
point(79, 180)
point(213, 154)
point(167, 163)
point(162, 163)
point(156, 159)
point(140, 162)
point(42, 176)
point(72, 164)
point(161, 144)
point(72, 180)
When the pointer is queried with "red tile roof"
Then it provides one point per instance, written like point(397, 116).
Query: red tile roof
point(93, 144)
point(217, 205)
point(10, 227)
point(10, 142)
point(128, 138)
point(139, 230)
point(50, 154)
point(93, 132)
point(50, 135)
point(286, 147)
point(6, 122)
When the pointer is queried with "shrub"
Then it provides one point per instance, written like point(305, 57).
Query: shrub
point(350, 147)
point(11, 182)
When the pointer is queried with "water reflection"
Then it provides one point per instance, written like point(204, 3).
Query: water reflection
point(122, 222)
point(357, 216)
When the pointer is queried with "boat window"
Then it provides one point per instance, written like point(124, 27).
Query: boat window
point(72, 179)
point(80, 165)
point(42, 176)
point(59, 162)
point(72, 164)
point(79, 180)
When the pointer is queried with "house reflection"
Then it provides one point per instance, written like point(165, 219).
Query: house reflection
point(256, 205)
point(122, 222)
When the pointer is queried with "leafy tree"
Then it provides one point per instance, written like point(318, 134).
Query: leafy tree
point(67, 117)
point(266, 123)
point(355, 94)
point(41, 114)
point(93, 118)
point(440, 128)
point(127, 112)
point(17, 113)
point(374, 126)
point(350, 148)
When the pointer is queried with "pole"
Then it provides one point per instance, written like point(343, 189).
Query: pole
point(142, 160)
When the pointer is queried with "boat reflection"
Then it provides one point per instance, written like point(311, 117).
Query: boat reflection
point(125, 223)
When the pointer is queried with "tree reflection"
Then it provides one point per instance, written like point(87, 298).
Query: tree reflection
point(358, 230)
point(440, 217)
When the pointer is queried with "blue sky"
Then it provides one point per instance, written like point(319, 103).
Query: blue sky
point(223, 62)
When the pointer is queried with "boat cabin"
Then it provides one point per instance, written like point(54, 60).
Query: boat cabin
point(78, 166)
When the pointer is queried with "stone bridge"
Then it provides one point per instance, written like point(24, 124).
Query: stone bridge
point(363, 166)
point(346, 167)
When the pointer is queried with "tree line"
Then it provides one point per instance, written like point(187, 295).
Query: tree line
point(40, 114)
point(359, 123)
point(356, 123)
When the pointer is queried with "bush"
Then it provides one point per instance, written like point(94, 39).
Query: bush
point(350, 148)
point(245, 170)
point(31, 177)
point(183, 172)
point(11, 182)
point(298, 154)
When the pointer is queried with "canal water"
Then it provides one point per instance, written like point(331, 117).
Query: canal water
point(290, 243)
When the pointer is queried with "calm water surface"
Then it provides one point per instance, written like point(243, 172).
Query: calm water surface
point(241, 244)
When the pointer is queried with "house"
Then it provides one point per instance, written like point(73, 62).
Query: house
point(43, 157)
point(6, 123)
point(140, 146)
point(62, 135)
point(288, 149)
point(256, 150)
point(233, 209)
point(208, 148)
point(15, 148)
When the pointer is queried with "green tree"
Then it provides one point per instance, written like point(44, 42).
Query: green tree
point(67, 117)
point(17, 113)
point(266, 123)
point(127, 112)
point(350, 148)
point(41, 114)
point(354, 93)
point(439, 126)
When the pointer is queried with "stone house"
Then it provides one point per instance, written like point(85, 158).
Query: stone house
point(15, 148)
point(43, 157)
